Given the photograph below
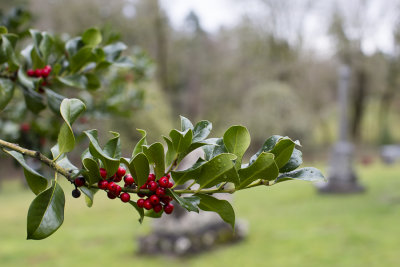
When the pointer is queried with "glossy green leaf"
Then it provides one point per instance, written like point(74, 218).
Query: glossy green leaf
point(110, 164)
point(222, 207)
point(139, 210)
point(3, 30)
point(138, 147)
point(189, 203)
point(73, 45)
point(181, 177)
point(33, 100)
point(306, 174)
point(75, 80)
point(113, 146)
point(26, 81)
point(215, 148)
point(37, 39)
point(45, 45)
point(263, 168)
point(63, 160)
point(81, 58)
point(36, 182)
point(155, 155)
point(89, 195)
point(46, 213)
point(294, 162)
point(139, 168)
point(237, 140)
point(217, 170)
point(6, 92)
point(171, 153)
point(70, 110)
point(283, 151)
point(181, 140)
point(7, 49)
point(93, 173)
point(93, 81)
point(92, 37)
point(186, 124)
point(113, 51)
point(201, 131)
point(153, 214)
point(266, 147)
point(54, 100)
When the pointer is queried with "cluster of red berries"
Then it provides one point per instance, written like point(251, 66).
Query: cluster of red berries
point(40, 73)
point(156, 199)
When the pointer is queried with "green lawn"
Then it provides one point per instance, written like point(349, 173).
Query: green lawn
point(290, 225)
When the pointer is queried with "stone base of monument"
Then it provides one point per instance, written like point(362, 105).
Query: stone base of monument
point(189, 234)
point(342, 178)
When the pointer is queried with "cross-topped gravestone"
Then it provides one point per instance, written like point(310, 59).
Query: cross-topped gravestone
point(342, 177)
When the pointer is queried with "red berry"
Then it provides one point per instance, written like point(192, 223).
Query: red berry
point(45, 72)
point(111, 195)
point(147, 205)
point(157, 208)
point(169, 208)
point(168, 175)
point(151, 177)
point(170, 184)
point(48, 67)
point(102, 184)
point(140, 203)
point(154, 199)
point(80, 181)
point(129, 179)
point(117, 190)
point(30, 73)
point(117, 178)
point(166, 199)
point(38, 72)
point(163, 182)
point(152, 186)
point(141, 195)
point(121, 172)
point(25, 127)
point(125, 197)
point(103, 173)
point(111, 186)
point(160, 191)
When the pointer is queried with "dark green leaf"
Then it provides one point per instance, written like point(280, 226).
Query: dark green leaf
point(294, 162)
point(46, 213)
point(37, 182)
point(70, 110)
point(110, 164)
point(113, 51)
point(306, 174)
point(81, 58)
point(222, 207)
point(181, 177)
point(139, 168)
point(89, 195)
point(217, 170)
point(45, 45)
point(142, 142)
point(3, 30)
point(215, 148)
point(93, 81)
point(237, 140)
point(263, 168)
point(189, 203)
point(54, 100)
point(6, 92)
point(93, 173)
point(171, 153)
point(72, 46)
point(75, 80)
point(180, 140)
point(283, 151)
point(7, 49)
point(156, 156)
point(113, 146)
point(33, 100)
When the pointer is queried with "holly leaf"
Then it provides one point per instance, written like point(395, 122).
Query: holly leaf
point(92, 37)
point(216, 147)
point(70, 110)
point(113, 146)
point(155, 155)
point(189, 203)
point(142, 142)
point(6, 92)
point(36, 182)
point(263, 168)
point(54, 100)
point(201, 131)
point(222, 207)
point(306, 174)
point(93, 173)
point(89, 195)
point(237, 140)
point(294, 162)
point(139, 168)
point(139, 210)
point(186, 124)
point(46, 213)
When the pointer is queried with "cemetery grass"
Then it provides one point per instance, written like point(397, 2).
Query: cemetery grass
point(289, 225)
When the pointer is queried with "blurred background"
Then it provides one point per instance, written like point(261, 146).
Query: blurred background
point(271, 65)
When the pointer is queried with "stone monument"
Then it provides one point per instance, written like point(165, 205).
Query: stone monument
point(341, 176)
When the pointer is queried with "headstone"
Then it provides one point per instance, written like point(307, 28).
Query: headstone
point(342, 177)
point(184, 233)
